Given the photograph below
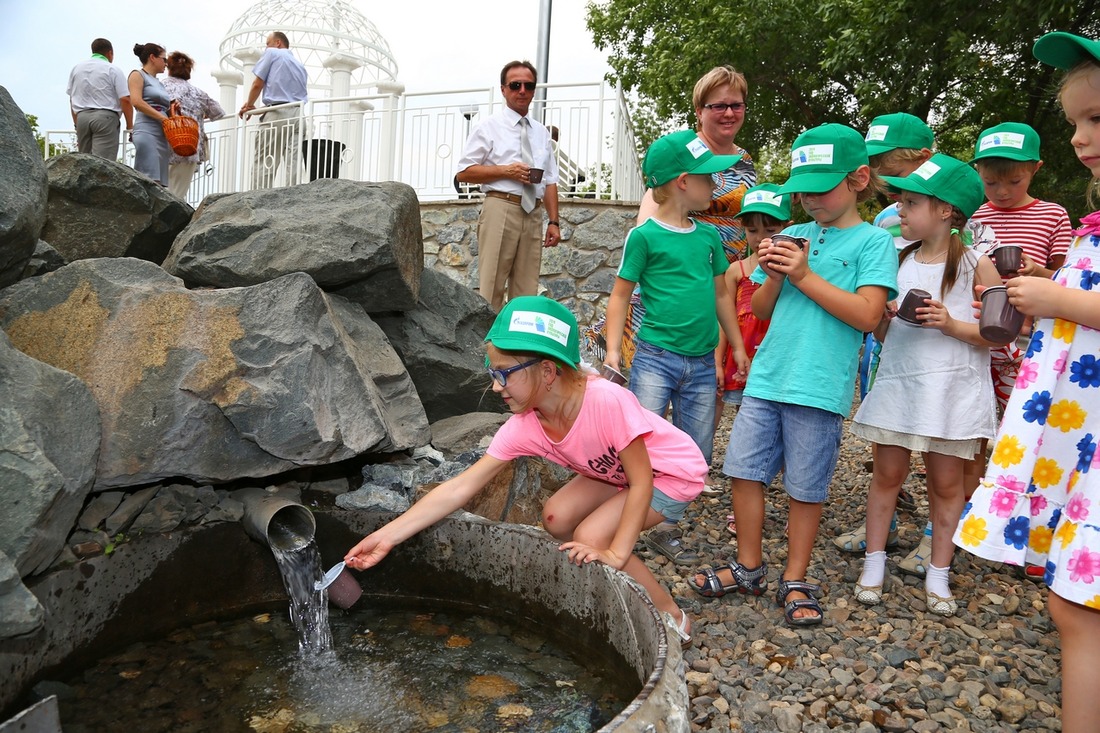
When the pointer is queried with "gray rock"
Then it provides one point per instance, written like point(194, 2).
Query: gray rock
point(20, 611)
point(361, 240)
point(98, 509)
point(23, 190)
point(45, 259)
point(441, 343)
point(49, 444)
point(458, 434)
point(128, 510)
point(376, 498)
point(100, 208)
point(213, 385)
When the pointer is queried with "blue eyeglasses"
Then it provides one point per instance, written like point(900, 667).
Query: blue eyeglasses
point(500, 376)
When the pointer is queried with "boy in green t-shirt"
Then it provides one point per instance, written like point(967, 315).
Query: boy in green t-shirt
point(680, 265)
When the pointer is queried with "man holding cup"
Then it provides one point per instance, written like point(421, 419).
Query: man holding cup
point(510, 156)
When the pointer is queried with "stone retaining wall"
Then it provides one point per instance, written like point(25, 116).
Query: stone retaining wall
point(578, 273)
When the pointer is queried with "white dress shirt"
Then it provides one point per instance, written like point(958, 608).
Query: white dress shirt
point(97, 84)
point(495, 141)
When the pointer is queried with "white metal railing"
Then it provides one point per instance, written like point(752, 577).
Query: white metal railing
point(413, 138)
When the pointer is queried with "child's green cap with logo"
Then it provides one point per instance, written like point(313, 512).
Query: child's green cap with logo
point(678, 153)
point(822, 157)
point(948, 179)
point(1012, 140)
point(538, 325)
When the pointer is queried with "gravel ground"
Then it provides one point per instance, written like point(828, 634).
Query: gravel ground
point(892, 667)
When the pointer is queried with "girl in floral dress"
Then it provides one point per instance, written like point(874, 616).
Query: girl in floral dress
point(1040, 499)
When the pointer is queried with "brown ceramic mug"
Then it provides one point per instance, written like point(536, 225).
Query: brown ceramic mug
point(914, 299)
point(534, 175)
point(799, 242)
point(1000, 321)
point(613, 375)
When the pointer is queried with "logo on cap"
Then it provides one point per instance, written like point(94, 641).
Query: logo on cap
point(697, 148)
point(1002, 140)
point(812, 155)
point(927, 170)
point(762, 197)
point(877, 132)
point(540, 324)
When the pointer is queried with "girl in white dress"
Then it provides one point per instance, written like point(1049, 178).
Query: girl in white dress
point(932, 392)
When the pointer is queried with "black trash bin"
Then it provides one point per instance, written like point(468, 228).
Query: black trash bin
point(323, 157)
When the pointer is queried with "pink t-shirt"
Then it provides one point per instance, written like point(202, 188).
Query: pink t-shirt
point(610, 418)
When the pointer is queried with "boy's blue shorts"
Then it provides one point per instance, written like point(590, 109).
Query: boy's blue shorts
point(803, 441)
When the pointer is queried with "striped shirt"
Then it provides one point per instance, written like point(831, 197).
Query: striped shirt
point(1041, 228)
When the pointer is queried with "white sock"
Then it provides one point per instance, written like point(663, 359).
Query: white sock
point(935, 581)
point(874, 569)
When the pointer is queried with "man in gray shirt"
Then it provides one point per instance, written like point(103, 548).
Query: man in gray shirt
point(282, 79)
point(98, 94)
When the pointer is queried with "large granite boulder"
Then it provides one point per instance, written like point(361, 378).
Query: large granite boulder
point(214, 385)
point(100, 208)
point(49, 442)
point(360, 240)
point(22, 190)
point(441, 343)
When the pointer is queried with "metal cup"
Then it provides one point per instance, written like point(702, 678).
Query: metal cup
point(914, 299)
point(534, 175)
point(613, 375)
point(1000, 321)
point(799, 242)
point(1008, 258)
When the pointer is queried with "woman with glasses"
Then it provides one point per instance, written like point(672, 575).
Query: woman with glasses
point(634, 469)
point(152, 104)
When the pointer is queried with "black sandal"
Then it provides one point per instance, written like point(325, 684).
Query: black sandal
point(786, 587)
point(750, 582)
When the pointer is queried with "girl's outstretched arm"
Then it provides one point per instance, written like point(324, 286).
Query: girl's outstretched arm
point(438, 503)
point(1042, 298)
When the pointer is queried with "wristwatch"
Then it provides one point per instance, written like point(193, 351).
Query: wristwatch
point(554, 222)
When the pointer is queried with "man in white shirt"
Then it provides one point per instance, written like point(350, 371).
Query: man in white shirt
point(509, 230)
point(283, 79)
point(98, 94)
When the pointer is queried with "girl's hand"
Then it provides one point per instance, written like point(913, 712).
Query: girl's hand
point(582, 554)
point(934, 314)
point(1034, 296)
point(369, 552)
point(1029, 266)
point(764, 256)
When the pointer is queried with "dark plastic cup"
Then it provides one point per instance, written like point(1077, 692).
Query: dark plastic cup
point(613, 375)
point(1000, 321)
point(1008, 258)
point(343, 589)
point(534, 175)
point(799, 242)
point(914, 299)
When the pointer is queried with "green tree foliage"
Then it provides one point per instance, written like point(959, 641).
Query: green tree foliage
point(960, 64)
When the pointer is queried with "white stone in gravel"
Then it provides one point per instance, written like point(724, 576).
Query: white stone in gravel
point(973, 631)
point(995, 599)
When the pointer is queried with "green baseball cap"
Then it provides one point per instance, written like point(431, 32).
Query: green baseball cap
point(948, 179)
point(766, 199)
point(1064, 50)
point(1012, 140)
point(822, 157)
point(538, 325)
point(681, 152)
point(898, 130)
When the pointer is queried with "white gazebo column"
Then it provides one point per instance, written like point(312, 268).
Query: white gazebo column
point(388, 145)
point(344, 124)
point(222, 136)
point(244, 155)
point(360, 159)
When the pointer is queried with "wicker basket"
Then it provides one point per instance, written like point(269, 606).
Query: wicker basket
point(182, 133)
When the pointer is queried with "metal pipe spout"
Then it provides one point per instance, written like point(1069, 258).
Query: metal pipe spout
point(276, 521)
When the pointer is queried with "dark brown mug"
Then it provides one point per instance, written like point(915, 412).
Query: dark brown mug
point(907, 310)
point(799, 242)
point(613, 375)
point(534, 175)
point(1000, 321)
point(1007, 258)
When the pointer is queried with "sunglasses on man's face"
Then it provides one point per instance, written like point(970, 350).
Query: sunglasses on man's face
point(515, 86)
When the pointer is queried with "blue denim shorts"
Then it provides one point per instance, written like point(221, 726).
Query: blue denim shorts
point(669, 508)
point(803, 441)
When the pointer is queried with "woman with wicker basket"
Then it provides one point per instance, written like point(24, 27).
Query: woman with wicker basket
point(152, 105)
point(194, 103)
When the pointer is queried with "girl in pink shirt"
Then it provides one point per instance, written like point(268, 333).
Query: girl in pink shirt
point(634, 469)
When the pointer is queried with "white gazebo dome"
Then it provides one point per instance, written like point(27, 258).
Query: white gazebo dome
point(318, 31)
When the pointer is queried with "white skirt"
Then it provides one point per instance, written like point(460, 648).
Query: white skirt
point(965, 449)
